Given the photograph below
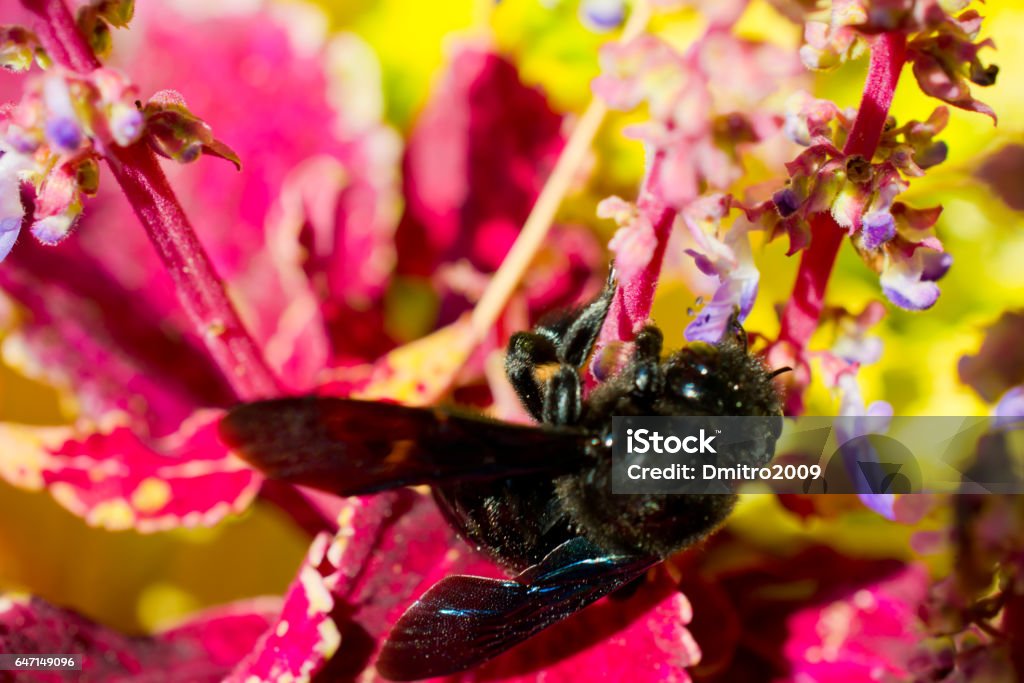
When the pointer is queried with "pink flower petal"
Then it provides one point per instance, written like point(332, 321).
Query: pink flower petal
point(115, 480)
point(115, 349)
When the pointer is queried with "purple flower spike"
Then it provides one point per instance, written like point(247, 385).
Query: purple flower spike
point(877, 228)
point(737, 292)
point(63, 134)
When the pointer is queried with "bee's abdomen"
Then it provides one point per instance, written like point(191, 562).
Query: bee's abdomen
point(515, 521)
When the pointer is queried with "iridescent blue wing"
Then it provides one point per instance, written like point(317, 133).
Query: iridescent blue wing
point(463, 621)
point(351, 447)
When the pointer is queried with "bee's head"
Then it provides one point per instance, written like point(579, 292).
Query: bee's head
point(720, 379)
point(700, 379)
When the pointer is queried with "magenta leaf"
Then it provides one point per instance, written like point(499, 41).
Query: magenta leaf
point(115, 480)
point(870, 633)
point(303, 636)
point(645, 635)
point(201, 649)
point(91, 334)
point(476, 160)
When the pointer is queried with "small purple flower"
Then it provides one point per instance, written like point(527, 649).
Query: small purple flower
point(932, 155)
point(936, 265)
point(703, 263)
point(9, 229)
point(786, 202)
point(732, 296)
point(912, 298)
point(53, 229)
point(1010, 409)
point(12, 212)
point(877, 228)
point(904, 284)
point(63, 134)
point(854, 421)
point(62, 128)
point(126, 125)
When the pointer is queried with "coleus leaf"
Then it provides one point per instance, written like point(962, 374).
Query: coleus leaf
point(201, 649)
point(116, 480)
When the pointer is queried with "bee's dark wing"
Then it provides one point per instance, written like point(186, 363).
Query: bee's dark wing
point(463, 621)
point(351, 447)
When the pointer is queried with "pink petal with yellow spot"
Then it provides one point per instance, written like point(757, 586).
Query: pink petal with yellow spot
point(304, 636)
point(115, 480)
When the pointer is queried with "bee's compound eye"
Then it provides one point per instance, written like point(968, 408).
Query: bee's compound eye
point(684, 385)
point(690, 391)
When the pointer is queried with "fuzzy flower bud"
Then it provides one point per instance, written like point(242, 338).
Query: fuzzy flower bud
point(176, 133)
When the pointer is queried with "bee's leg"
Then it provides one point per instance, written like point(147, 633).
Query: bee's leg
point(527, 351)
point(646, 363)
point(735, 328)
point(578, 341)
point(568, 341)
point(563, 397)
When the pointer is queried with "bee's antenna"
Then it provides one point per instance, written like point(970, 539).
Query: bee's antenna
point(775, 373)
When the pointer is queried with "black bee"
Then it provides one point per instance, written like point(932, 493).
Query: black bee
point(538, 500)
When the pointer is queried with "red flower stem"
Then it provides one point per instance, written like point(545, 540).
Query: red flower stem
point(802, 312)
point(631, 304)
point(199, 289)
